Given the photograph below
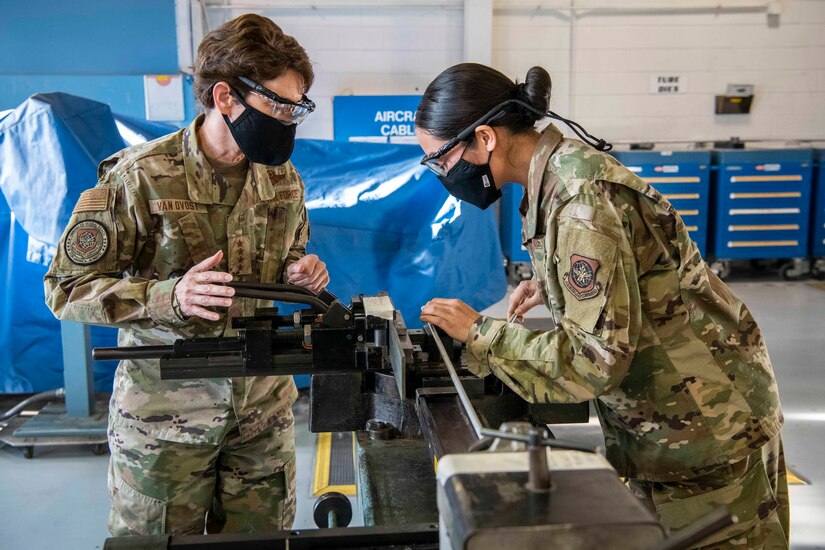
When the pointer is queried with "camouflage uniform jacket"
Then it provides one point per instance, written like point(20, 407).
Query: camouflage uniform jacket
point(675, 361)
point(157, 210)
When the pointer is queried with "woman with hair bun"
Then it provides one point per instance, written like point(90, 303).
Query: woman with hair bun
point(673, 360)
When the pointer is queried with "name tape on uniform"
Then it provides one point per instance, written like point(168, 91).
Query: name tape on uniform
point(164, 206)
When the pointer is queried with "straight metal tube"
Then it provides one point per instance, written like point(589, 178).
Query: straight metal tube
point(459, 388)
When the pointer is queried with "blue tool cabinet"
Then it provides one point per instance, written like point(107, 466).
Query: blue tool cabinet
point(683, 178)
point(818, 217)
point(762, 204)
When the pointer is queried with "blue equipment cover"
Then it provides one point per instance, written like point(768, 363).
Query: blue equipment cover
point(379, 220)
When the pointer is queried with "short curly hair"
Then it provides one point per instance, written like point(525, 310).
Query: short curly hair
point(252, 46)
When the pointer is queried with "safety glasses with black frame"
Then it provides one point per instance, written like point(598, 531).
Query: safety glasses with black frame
point(289, 112)
point(430, 161)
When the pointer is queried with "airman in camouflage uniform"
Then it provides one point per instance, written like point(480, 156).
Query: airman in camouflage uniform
point(177, 446)
point(146, 251)
point(675, 362)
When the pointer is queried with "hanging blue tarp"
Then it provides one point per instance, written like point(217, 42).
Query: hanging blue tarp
point(379, 220)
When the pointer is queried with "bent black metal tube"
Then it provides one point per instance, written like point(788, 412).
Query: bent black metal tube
point(289, 297)
point(271, 287)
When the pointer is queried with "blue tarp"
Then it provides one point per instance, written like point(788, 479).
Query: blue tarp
point(379, 220)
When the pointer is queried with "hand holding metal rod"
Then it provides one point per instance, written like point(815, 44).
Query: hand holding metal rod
point(476, 423)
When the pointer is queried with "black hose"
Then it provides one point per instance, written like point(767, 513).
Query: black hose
point(43, 396)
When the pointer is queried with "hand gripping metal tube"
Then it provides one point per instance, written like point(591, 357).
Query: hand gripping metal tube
point(459, 388)
point(483, 432)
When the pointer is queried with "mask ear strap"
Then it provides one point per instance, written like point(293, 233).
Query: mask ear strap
point(597, 143)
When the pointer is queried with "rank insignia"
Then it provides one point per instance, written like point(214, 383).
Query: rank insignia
point(86, 242)
point(581, 279)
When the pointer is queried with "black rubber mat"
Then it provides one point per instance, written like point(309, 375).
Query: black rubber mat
point(341, 468)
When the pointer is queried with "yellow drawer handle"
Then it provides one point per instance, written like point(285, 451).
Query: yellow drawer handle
point(746, 244)
point(736, 179)
point(682, 196)
point(783, 195)
point(692, 228)
point(673, 180)
point(785, 227)
point(688, 212)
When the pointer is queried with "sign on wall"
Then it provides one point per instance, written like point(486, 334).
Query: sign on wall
point(164, 97)
point(376, 119)
point(668, 84)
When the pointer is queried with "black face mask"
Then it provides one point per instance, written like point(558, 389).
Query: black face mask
point(262, 138)
point(472, 183)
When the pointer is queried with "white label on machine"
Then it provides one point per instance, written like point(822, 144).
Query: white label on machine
point(668, 169)
point(668, 84)
point(770, 167)
point(379, 306)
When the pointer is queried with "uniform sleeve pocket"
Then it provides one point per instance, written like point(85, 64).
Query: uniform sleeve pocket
point(587, 261)
point(143, 514)
point(90, 244)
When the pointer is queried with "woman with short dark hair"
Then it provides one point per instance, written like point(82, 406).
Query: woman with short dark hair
point(674, 361)
point(148, 251)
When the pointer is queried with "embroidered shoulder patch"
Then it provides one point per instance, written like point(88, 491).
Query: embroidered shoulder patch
point(92, 200)
point(581, 279)
point(87, 242)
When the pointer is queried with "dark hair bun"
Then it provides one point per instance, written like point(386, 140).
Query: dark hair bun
point(537, 86)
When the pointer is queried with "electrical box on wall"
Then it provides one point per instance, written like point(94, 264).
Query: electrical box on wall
point(736, 101)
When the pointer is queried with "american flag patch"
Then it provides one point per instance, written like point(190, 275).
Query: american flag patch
point(92, 200)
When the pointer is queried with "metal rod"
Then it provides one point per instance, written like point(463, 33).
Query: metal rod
point(271, 287)
point(487, 432)
point(289, 297)
point(555, 443)
point(136, 352)
point(538, 473)
point(459, 388)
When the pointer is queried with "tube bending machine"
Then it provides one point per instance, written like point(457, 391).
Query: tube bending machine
point(414, 414)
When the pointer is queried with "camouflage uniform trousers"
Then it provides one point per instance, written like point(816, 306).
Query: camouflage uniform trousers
point(161, 486)
point(755, 490)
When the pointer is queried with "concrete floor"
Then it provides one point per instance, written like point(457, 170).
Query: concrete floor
point(59, 498)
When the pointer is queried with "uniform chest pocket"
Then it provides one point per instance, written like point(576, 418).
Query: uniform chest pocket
point(182, 241)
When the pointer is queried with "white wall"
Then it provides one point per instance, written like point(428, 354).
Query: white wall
point(379, 51)
point(614, 56)
point(389, 49)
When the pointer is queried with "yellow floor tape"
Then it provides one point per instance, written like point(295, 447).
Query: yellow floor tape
point(794, 479)
point(320, 481)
